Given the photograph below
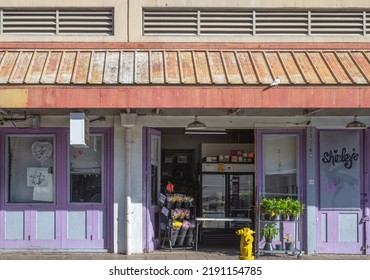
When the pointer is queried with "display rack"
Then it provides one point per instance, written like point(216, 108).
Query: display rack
point(176, 167)
point(295, 251)
point(284, 226)
point(178, 219)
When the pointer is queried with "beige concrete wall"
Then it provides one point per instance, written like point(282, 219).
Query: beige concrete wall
point(135, 10)
point(132, 9)
point(120, 19)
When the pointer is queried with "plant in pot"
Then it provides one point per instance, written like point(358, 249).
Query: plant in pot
point(269, 232)
point(295, 209)
point(268, 207)
point(284, 205)
point(289, 245)
point(280, 209)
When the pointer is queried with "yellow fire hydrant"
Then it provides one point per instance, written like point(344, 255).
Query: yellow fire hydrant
point(246, 243)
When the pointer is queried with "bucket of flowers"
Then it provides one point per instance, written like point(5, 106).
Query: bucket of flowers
point(176, 225)
point(171, 201)
point(183, 231)
point(190, 235)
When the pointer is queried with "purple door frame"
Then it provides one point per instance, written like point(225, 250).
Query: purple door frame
point(61, 206)
point(301, 173)
point(328, 224)
point(150, 211)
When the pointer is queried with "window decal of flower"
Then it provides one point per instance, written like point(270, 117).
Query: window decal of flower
point(37, 177)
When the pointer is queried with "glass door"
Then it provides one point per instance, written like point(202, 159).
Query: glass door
point(340, 226)
point(280, 176)
point(240, 198)
point(213, 199)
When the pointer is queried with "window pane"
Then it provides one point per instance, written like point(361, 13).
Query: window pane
point(86, 172)
point(280, 165)
point(30, 169)
point(340, 169)
point(155, 163)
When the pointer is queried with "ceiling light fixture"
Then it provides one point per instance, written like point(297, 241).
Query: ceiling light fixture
point(206, 132)
point(196, 125)
point(355, 124)
point(3, 111)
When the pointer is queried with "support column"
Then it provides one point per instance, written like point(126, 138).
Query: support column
point(127, 192)
point(128, 121)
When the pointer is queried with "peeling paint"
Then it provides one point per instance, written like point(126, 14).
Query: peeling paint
point(184, 67)
point(13, 98)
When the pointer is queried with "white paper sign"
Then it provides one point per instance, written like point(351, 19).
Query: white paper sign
point(37, 177)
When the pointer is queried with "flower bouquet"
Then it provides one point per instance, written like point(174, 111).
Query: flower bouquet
point(190, 237)
point(180, 214)
point(176, 225)
point(187, 201)
point(183, 231)
point(170, 188)
point(179, 200)
point(171, 201)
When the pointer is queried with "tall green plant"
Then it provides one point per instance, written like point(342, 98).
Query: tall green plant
point(295, 208)
point(268, 206)
point(269, 232)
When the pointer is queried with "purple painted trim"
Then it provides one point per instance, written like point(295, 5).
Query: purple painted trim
point(367, 186)
point(61, 204)
point(301, 133)
point(144, 215)
point(148, 221)
point(333, 246)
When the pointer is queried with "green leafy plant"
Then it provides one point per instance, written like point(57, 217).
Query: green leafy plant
point(268, 206)
point(285, 205)
point(269, 232)
point(295, 208)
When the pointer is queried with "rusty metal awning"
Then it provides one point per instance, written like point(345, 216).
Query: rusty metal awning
point(184, 67)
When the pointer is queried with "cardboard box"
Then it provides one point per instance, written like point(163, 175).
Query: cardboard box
point(223, 158)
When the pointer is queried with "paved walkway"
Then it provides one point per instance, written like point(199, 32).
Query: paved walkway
point(203, 253)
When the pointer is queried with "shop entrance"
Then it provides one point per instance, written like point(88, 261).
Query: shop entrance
point(217, 172)
point(341, 193)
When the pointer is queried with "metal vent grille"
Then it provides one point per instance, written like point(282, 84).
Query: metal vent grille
point(56, 22)
point(280, 23)
point(226, 23)
point(29, 22)
point(334, 23)
point(255, 22)
point(170, 22)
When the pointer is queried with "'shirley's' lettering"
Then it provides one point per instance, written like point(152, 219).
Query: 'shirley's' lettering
point(334, 157)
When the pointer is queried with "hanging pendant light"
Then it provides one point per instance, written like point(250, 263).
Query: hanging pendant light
point(355, 124)
point(196, 125)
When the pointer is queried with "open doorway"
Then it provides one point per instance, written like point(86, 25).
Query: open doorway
point(183, 158)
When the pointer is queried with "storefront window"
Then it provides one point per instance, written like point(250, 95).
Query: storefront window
point(340, 171)
point(86, 180)
point(30, 169)
point(280, 166)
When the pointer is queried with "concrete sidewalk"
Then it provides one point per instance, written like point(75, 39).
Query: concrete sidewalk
point(203, 253)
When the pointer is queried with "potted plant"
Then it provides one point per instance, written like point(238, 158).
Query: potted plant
point(280, 209)
point(295, 209)
point(269, 232)
point(268, 207)
point(289, 245)
point(285, 208)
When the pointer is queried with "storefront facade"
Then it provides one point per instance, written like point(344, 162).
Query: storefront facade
point(140, 76)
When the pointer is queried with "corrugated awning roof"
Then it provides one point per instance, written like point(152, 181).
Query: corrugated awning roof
point(184, 67)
